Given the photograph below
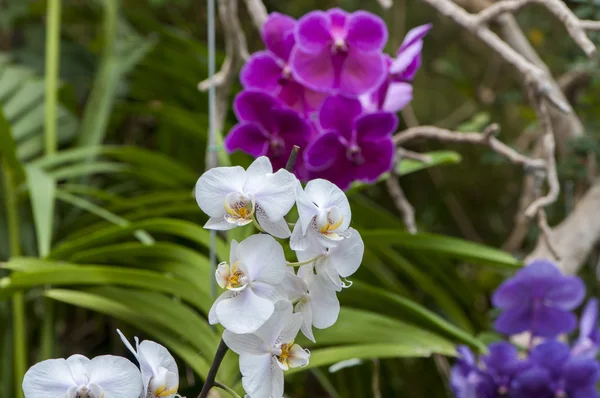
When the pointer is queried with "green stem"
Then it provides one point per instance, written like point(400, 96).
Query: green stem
point(257, 225)
point(301, 263)
point(51, 139)
point(18, 301)
point(51, 79)
point(227, 388)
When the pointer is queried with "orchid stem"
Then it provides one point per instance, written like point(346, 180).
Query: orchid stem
point(214, 368)
point(18, 299)
point(257, 225)
point(292, 159)
point(227, 388)
point(301, 263)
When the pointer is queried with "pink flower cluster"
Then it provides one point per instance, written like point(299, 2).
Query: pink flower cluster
point(325, 85)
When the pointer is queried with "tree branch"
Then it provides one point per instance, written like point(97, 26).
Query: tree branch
point(485, 139)
point(574, 25)
point(401, 203)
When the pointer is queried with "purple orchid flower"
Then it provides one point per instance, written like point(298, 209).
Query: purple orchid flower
point(538, 299)
point(468, 380)
point(269, 71)
point(503, 364)
point(352, 146)
point(586, 345)
point(340, 52)
point(553, 372)
point(396, 92)
point(267, 128)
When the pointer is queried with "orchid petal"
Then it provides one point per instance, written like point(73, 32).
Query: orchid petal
point(261, 72)
point(257, 375)
point(362, 73)
point(263, 258)
point(324, 195)
point(366, 32)
point(298, 357)
point(247, 137)
point(347, 256)
point(278, 229)
point(48, 379)
point(118, 376)
point(245, 343)
point(397, 97)
point(278, 34)
point(313, 32)
point(214, 185)
point(243, 312)
point(314, 70)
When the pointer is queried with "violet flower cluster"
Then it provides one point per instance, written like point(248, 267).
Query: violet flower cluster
point(325, 85)
point(265, 303)
point(538, 300)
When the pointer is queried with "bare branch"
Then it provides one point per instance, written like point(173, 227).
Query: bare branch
point(549, 150)
point(258, 12)
point(590, 25)
point(419, 157)
point(559, 9)
point(485, 139)
point(526, 68)
point(577, 235)
point(236, 51)
point(401, 203)
point(385, 4)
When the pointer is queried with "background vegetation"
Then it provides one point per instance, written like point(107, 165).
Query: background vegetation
point(104, 232)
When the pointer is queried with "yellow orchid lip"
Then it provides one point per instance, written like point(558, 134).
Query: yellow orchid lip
point(239, 208)
point(163, 391)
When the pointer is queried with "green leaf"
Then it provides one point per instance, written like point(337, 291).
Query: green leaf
point(63, 274)
point(428, 285)
point(42, 190)
point(364, 296)
point(328, 356)
point(476, 123)
point(356, 326)
point(111, 233)
point(452, 247)
point(84, 204)
point(124, 312)
point(407, 166)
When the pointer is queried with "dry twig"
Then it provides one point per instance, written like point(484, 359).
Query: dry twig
point(406, 154)
point(559, 9)
point(236, 52)
point(401, 203)
point(258, 12)
point(486, 138)
point(471, 22)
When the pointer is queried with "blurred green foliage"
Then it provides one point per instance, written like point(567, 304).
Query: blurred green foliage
point(111, 235)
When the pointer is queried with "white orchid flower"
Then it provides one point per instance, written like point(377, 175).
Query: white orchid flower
point(105, 376)
point(160, 375)
point(253, 280)
point(265, 354)
point(333, 263)
point(324, 215)
point(319, 305)
point(232, 197)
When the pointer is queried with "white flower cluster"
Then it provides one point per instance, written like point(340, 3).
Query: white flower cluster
point(266, 303)
point(106, 376)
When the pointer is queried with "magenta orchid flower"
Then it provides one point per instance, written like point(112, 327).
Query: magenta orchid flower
point(267, 128)
point(268, 71)
point(396, 92)
point(338, 51)
point(352, 146)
